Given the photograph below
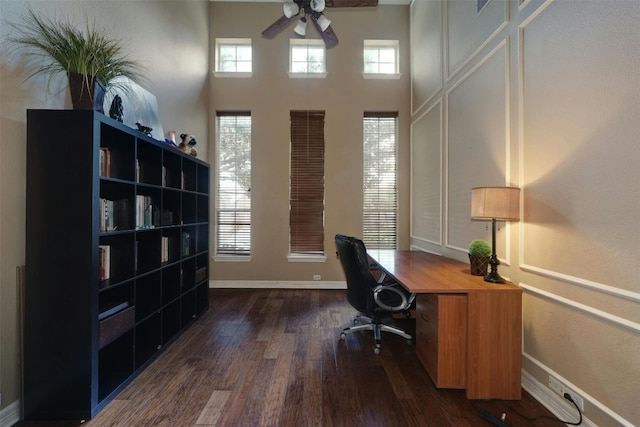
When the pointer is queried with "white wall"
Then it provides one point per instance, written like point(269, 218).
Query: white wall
point(171, 38)
point(544, 95)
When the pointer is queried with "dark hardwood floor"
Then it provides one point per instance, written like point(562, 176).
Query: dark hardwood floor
point(275, 358)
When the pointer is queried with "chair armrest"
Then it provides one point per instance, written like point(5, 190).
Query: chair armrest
point(382, 273)
point(406, 298)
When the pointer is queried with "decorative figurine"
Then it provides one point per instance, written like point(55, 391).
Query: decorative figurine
point(116, 111)
point(187, 144)
point(171, 138)
point(144, 129)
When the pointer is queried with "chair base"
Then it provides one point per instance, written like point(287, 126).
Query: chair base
point(364, 323)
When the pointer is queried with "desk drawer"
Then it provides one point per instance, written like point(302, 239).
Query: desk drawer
point(441, 337)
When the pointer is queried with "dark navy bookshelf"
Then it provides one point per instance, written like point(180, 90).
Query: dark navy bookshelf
point(108, 285)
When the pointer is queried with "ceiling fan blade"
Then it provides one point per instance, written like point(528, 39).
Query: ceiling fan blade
point(351, 3)
point(328, 36)
point(278, 26)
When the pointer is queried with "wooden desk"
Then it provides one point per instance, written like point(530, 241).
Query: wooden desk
point(468, 331)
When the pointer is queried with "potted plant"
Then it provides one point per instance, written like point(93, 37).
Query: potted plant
point(479, 255)
point(90, 58)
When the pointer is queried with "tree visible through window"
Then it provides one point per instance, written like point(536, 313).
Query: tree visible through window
point(306, 215)
point(380, 56)
point(380, 199)
point(233, 55)
point(233, 198)
point(307, 56)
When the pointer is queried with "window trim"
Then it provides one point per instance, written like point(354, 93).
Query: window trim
point(307, 189)
point(308, 43)
point(380, 44)
point(236, 42)
point(222, 256)
point(391, 115)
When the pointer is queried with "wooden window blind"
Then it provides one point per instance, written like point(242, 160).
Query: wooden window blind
point(233, 196)
point(306, 208)
point(380, 193)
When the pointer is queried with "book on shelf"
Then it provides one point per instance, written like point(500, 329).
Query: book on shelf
point(145, 212)
point(107, 215)
point(105, 162)
point(109, 309)
point(165, 249)
point(105, 261)
point(114, 215)
point(186, 244)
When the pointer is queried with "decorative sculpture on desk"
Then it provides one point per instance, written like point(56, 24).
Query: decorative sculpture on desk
point(187, 144)
point(116, 111)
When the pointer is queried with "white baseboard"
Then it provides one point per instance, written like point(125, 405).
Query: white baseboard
point(560, 407)
point(10, 415)
point(267, 284)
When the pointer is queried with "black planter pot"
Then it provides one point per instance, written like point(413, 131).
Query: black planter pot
point(87, 92)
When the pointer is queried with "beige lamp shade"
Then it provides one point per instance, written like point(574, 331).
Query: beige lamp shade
point(499, 203)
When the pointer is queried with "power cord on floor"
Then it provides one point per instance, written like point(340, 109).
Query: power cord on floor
point(500, 422)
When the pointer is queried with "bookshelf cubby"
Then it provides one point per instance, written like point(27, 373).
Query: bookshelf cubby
point(116, 255)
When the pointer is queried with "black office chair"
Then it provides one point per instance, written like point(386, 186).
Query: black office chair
point(375, 299)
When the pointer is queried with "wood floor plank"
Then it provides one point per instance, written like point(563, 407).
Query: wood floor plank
point(214, 408)
point(274, 357)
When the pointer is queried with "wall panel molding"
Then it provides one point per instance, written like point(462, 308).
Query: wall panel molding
point(452, 74)
point(500, 48)
point(436, 108)
point(603, 315)
point(429, 96)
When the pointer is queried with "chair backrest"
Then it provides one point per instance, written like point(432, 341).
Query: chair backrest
point(355, 264)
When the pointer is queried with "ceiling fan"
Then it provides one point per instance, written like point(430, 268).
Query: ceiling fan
point(312, 10)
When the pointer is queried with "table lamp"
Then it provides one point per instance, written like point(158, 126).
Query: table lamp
point(495, 204)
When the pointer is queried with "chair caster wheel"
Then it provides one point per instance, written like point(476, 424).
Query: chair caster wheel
point(376, 350)
point(343, 336)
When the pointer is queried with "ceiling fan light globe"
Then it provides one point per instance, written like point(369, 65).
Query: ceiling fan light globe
point(301, 27)
point(317, 5)
point(323, 22)
point(290, 9)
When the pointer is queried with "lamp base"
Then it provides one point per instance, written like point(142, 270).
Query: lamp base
point(494, 277)
point(494, 262)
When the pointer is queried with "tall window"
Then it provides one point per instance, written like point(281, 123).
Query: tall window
point(233, 56)
point(233, 196)
point(380, 203)
point(306, 209)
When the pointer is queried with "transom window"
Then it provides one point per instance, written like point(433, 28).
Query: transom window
point(307, 57)
point(381, 57)
point(233, 196)
point(233, 56)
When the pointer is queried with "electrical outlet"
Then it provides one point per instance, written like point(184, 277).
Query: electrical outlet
point(316, 277)
point(561, 389)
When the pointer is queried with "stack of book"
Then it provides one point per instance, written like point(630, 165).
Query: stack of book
point(144, 212)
